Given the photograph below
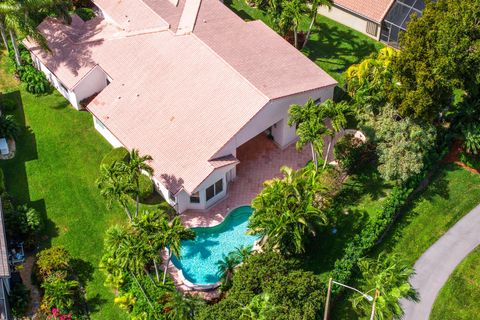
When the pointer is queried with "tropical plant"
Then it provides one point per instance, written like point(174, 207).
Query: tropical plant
point(138, 165)
point(314, 6)
point(311, 128)
point(52, 261)
point(389, 276)
point(349, 151)
point(9, 128)
point(260, 308)
point(181, 306)
point(18, 299)
point(59, 292)
point(286, 211)
point(35, 81)
point(226, 266)
point(174, 232)
point(242, 252)
point(116, 186)
point(471, 134)
point(286, 15)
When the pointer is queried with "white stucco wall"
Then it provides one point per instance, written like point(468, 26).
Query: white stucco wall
point(275, 112)
point(106, 133)
point(349, 19)
point(94, 82)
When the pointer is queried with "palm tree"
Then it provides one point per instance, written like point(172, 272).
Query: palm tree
point(336, 114)
point(174, 233)
point(389, 277)
point(242, 252)
point(138, 165)
point(285, 212)
point(150, 225)
point(310, 127)
point(180, 306)
point(314, 5)
point(115, 186)
point(291, 16)
point(226, 267)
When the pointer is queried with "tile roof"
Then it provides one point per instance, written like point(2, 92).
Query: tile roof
point(374, 10)
point(179, 99)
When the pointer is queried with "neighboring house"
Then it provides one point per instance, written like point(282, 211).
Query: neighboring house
point(4, 270)
point(187, 82)
point(380, 19)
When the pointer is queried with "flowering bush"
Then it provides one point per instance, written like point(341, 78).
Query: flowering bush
point(57, 315)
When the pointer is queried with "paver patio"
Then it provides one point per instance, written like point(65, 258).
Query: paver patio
point(260, 160)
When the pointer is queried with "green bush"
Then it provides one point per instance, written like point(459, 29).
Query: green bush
point(8, 104)
point(54, 260)
point(2, 181)
point(115, 155)
point(349, 152)
point(146, 187)
point(18, 299)
point(35, 80)
point(85, 13)
point(9, 128)
point(471, 160)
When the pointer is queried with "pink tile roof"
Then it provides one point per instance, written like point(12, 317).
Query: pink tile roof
point(180, 99)
point(374, 10)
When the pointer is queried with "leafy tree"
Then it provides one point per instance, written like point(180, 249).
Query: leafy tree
point(311, 128)
point(286, 212)
point(9, 128)
point(389, 276)
point(314, 6)
point(403, 144)
point(260, 308)
point(471, 134)
point(440, 52)
point(174, 232)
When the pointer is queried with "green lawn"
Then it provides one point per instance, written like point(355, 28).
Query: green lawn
point(459, 298)
point(57, 162)
point(452, 194)
point(332, 46)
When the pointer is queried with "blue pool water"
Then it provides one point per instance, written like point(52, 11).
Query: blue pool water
point(199, 256)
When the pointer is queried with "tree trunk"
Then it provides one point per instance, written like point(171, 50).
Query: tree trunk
point(328, 151)
point(314, 156)
point(156, 270)
point(295, 37)
point(15, 48)
point(4, 36)
point(166, 266)
point(309, 29)
point(138, 198)
point(141, 289)
point(127, 211)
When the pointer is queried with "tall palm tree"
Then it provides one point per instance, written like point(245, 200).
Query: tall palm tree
point(389, 276)
point(226, 267)
point(314, 5)
point(310, 125)
point(336, 113)
point(115, 186)
point(242, 252)
point(285, 213)
point(174, 233)
point(181, 306)
point(291, 16)
point(138, 165)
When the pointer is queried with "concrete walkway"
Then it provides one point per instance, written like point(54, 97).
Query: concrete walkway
point(438, 262)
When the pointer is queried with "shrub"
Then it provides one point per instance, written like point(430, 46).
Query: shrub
point(146, 187)
point(471, 160)
point(2, 181)
point(8, 105)
point(35, 80)
point(9, 128)
point(471, 133)
point(115, 155)
point(349, 152)
point(54, 260)
point(22, 221)
point(18, 299)
point(85, 13)
point(60, 292)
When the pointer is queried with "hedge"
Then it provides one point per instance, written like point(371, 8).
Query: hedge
point(146, 187)
point(117, 154)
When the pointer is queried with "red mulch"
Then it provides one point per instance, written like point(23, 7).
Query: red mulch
point(454, 156)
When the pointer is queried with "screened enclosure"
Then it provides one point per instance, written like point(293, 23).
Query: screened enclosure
point(397, 18)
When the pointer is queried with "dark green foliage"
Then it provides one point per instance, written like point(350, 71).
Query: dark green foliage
point(471, 135)
point(2, 181)
point(85, 13)
point(471, 160)
point(350, 152)
point(116, 155)
point(22, 221)
point(8, 104)
point(293, 293)
point(146, 186)
point(18, 299)
point(9, 128)
point(35, 80)
point(440, 53)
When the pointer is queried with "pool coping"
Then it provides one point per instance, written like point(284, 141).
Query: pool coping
point(177, 275)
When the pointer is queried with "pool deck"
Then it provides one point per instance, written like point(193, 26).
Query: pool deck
point(260, 160)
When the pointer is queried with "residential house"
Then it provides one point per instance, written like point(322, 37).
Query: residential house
point(185, 81)
point(380, 19)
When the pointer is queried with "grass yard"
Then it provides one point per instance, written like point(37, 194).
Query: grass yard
point(332, 46)
point(458, 299)
point(452, 194)
point(54, 171)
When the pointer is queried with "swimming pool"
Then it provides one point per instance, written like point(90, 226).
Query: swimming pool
point(199, 256)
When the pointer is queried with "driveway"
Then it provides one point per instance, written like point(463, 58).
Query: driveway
point(438, 262)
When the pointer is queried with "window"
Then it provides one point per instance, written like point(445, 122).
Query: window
point(195, 197)
point(214, 189)
point(372, 28)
